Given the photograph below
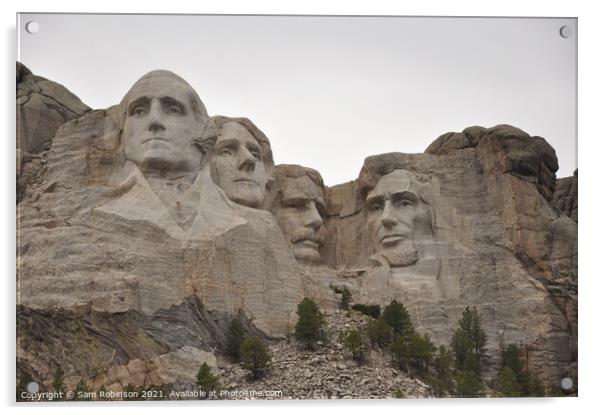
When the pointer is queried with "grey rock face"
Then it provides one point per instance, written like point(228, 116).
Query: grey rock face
point(42, 107)
point(565, 196)
point(153, 225)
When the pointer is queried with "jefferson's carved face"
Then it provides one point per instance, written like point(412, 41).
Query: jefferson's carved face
point(160, 127)
point(237, 165)
point(393, 208)
point(298, 212)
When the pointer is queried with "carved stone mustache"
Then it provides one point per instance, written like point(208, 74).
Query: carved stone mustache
point(302, 234)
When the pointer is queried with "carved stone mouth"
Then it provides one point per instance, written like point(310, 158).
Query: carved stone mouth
point(243, 180)
point(389, 240)
point(309, 244)
point(154, 139)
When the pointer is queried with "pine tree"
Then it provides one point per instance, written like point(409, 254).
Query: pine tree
point(420, 352)
point(379, 332)
point(370, 310)
point(509, 386)
point(234, 338)
point(254, 356)
point(82, 388)
point(57, 382)
point(354, 343)
point(206, 381)
point(468, 342)
point(310, 326)
point(398, 318)
point(468, 384)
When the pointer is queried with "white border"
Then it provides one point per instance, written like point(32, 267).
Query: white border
point(590, 23)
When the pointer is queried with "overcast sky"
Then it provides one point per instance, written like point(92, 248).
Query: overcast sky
point(330, 91)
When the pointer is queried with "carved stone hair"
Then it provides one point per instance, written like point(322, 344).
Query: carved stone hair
point(294, 171)
point(375, 167)
point(207, 131)
point(263, 141)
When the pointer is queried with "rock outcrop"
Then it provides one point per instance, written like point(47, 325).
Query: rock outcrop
point(153, 224)
point(42, 107)
point(565, 196)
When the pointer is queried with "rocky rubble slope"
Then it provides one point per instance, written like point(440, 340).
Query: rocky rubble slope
point(326, 373)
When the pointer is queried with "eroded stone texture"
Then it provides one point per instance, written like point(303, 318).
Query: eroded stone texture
point(298, 204)
point(125, 222)
point(42, 106)
point(241, 161)
point(139, 244)
point(495, 242)
point(565, 196)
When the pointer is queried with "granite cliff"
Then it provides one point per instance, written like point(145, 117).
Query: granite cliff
point(136, 247)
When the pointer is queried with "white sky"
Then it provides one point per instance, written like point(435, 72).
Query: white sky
point(330, 91)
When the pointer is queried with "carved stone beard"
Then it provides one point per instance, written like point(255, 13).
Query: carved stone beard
point(402, 255)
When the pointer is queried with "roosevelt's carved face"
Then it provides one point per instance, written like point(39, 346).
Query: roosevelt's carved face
point(298, 214)
point(237, 165)
point(393, 210)
point(160, 128)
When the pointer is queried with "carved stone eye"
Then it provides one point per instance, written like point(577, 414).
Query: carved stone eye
point(138, 111)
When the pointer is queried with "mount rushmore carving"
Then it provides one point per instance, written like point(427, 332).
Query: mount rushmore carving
point(150, 224)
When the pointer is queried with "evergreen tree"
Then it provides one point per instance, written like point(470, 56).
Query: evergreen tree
point(370, 310)
point(468, 342)
point(82, 387)
point(398, 318)
point(443, 363)
point(310, 326)
point(420, 352)
point(354, 343)
point(468, 384)
point(254, 356)
point(509, 386)
point(206, 381)
point(379, 332)
point(345, 296)
point(57, 382)
point(234, 338)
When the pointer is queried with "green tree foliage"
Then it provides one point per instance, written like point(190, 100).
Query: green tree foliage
point(345, 295)
point(355, 344)
point(468, 342)
point(205, 380)
point(468, 384)
point(443, 369)
point(421, 351)
point(82, 390)
point(370, 310)
point(514, 379)
point(234, 338)
point(310, 326)
point(379, 332)
point(509, 385)
point(254, 356)
point(57, 382)
point(412, 352)
point(398, 318)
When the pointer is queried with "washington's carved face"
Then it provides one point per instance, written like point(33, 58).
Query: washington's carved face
point(160, 127)
point(298, 213)
point(237, 165)
point(393, 208)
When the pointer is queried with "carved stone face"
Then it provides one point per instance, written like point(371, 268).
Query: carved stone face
point(298, 214)
point(394, 209)
point(160, 128)
point(237, 165)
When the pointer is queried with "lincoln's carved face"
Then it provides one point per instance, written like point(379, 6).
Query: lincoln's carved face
point(394, 209)
point(237, 165)
point(160, 128)
point(298, 212)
